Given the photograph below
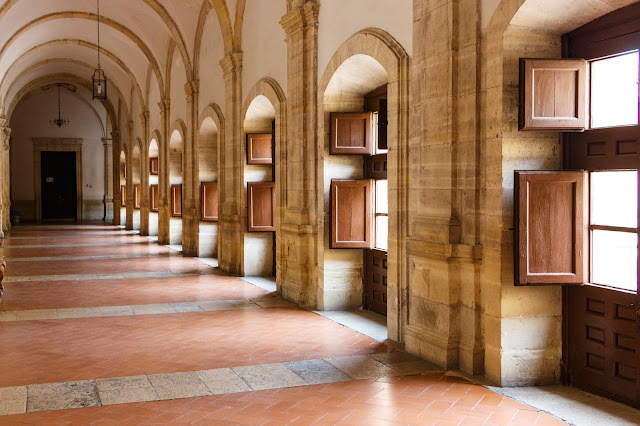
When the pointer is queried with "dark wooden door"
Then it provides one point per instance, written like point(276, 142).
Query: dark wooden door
point(59, 186)
point(375, 288)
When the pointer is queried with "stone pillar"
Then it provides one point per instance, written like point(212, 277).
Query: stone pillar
point(145, 207)
point(190, 194)
point(164, 197)
point(129, 178)
point(297, 276)
point(6, 177)
point(115, 174)
point(108, 179)
point(443, 246)
point(231, 215)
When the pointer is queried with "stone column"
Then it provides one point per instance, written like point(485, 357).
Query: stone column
point(231, 215)
point(115, 175)
point(190, 220)
point(164, 197)
point(6, 178)
point(108, 179)
point(145, 207)
point(129, 178)
point(297, 276)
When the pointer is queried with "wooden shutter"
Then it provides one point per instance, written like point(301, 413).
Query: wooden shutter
point(209, 197)
point(153, 166)
point(259, 148)
point(261, 206)
point(123, 195)
point(553, 94)
point(351, 213)
point(351, 133)
point(551, 227)
point(136, 196)
point(382, 125)
point(154, 197)
point(176, 200)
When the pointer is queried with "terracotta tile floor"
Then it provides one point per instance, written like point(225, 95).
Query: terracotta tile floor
point(64, 350)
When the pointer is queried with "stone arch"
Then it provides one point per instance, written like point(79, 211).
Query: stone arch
point(382, 48)
point(83, 43)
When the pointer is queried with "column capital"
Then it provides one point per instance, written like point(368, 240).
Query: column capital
point(301, 17)
point(107, 142)
point(144, 117)
point(130, 127)
point(115, 134)
point(192, 88)
point(232, 62)
point(165, 105)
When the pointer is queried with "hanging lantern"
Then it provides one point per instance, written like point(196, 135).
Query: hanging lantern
point(99, 78)
point(99, 84)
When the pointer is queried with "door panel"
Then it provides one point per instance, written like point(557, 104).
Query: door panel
point(59, 187)
point(375, 284)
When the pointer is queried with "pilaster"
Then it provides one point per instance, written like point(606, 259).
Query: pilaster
point(129, 178)
point(115, 175)
point(297, 275)
point(231, 189)
point(164, 212)
point(5, 206)
point(108, 179)
point(190, 219)
point(145, 207)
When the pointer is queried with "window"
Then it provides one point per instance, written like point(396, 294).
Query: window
point(614, 229)
point(153, 194)
point(136, 196)
point(382, 215)
point(209, 196)
point(176, 200)
point(614, 91)
point(261, 206)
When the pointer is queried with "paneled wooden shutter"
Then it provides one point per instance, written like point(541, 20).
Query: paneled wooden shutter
point(123, 195)
point(259, 148)
point(551, 244)
point(176, 200)
point(153, 166)
point(553, 94)
point(209, 196)
point(351, 213)
point(154, 197)
point(261, 205)
point(351, 133)
point(136, 196)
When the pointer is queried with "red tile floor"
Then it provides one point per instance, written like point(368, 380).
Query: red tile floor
point(62, 350)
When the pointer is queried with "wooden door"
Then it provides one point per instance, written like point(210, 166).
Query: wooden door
point(375, 289)
point(59, 186)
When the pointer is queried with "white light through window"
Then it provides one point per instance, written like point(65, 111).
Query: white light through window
point(614, 91)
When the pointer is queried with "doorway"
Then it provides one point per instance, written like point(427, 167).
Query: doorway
point(59, 186)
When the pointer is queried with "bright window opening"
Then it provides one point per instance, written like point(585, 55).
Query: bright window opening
point(614, 91)
point(382, 215)
point(614, 229)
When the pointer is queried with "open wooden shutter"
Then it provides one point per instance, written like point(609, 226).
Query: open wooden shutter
point(261, 205)
point(136, 196)
point(209, 196)
point(154, 189)
point(382, 125)
point(259, 148)
point(351, 133)
point(176, 200)
point(123, 195)
point(351, 213)
point(153, 166)
point(551, 227)
point(553, 94)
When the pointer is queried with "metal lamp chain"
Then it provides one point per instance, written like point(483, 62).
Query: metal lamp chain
point(98, 1)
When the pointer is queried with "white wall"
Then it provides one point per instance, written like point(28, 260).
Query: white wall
point(340, 19)
point(487, 11)
point(31, 120)
point(211, 53)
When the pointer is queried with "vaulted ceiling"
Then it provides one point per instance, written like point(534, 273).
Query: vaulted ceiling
point(44, 38)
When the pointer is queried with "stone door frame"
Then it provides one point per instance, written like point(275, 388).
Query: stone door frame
point(57, 145)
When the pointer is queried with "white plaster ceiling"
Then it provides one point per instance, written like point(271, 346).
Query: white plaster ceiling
point(358, 75)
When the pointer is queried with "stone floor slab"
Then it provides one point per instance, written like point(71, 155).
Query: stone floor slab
point(162, 308)
point(361, 367)
point(178, 385)
point(186, 307)
point(62, 396)
point(223, 380)
point(269, 376)
point(317, 371)
point(124, 390)
point(13, 400)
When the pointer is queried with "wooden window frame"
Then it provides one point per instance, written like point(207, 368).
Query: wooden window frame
point(176, 209)
point(252, 140)
point(336, 148)
point(154, 167)
point(123, 195)
point(251, 227)
point(154, 204)
point(136, 196)
point(204, 187)
point(367, 186)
